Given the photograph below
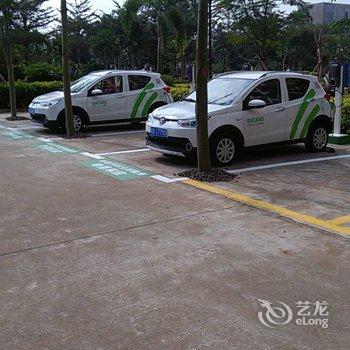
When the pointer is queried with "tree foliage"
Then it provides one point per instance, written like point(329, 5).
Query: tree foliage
point(163, 33)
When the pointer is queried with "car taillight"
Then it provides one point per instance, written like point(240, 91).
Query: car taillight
point(167, 89)
point(328, 97)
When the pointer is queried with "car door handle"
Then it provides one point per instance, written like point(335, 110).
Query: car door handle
point(280, 109)
point(120, 96)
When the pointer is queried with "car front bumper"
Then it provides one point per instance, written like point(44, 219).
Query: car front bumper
point(179, 141)
point(42, 119)
point(176, 146)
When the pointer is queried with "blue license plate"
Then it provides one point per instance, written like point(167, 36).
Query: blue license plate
point(31, 110)
point(158, 132)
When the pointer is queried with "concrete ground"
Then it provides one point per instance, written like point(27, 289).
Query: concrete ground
point(101, 247)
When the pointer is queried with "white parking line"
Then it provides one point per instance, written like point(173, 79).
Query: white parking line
point(44, 139)
point(30, 127)
point(91, 155)
point(167, 179)
point(124, 152)
point(277, 165)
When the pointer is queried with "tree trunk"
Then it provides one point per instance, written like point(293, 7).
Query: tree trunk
point(202, 88)
point(65, 71)
point(7, 48)
point(210, 45)
point(159, 47)
point(10, 76)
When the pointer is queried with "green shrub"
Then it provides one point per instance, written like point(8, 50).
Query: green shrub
point(179, 91)
point(25, 92)
point(41, 72)
point(168, 79)
point(345, 117)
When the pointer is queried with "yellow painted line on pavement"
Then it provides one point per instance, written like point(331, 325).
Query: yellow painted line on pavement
point(273, 208)
point(340, 221)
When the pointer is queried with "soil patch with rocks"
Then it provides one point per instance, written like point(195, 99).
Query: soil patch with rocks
point(212, 175)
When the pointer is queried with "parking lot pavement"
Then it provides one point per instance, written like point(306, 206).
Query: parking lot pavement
point(95, 253)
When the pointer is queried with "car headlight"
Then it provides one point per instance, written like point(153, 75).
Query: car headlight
point(47, 104)
point(187, 123)
point(150, 118)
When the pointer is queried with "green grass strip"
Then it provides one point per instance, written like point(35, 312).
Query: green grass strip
point(309, 120)
point(148, 104)
point(140, 99)
point(311, 94)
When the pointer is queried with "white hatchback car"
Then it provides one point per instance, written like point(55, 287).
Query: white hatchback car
point(104, 97)
point(246, 109)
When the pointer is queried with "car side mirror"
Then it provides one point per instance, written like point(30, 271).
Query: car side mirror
point(96, 92)
point(256, 104)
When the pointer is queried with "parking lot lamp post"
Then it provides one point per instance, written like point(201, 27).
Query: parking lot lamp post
point(201, 88)
point(65, 71)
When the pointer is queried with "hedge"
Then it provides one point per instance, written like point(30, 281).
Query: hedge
point(179, 91)
point(25, 92)
point(346, 115)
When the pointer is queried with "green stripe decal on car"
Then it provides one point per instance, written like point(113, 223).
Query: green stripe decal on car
point(140, 99)
point(310, 95)
point(148, 104)
point(309, 120)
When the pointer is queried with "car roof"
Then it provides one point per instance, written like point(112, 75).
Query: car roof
point(254, 75)
point(103, 73)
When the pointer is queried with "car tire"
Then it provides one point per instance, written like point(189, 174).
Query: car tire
point(78, 123)
point(223, 149)
point(317, 138)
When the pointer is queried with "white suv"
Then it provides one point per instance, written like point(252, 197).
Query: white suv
point(104, 97)
point(246, 109)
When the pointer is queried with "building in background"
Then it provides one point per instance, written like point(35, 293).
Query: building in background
point(324, 13)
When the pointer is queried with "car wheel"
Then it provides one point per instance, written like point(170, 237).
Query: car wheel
point(223, 150)
point(78, 122)
point(317, 138)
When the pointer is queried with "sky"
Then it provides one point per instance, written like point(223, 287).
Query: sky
point(104, 5)
point(107, 5)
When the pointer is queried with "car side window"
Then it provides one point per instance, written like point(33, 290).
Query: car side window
point(111, 85)
point(138, 82)
point(269, 91)
point(297, 88)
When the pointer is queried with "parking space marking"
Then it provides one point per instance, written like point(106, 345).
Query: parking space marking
point(167, 179)
point(119, 171)
point(340, 221)
point(91, 155)
point(273, 208)
point(29, 127)
point(44, 139)
point(57, 148)
point(282, 164)
point(124, 152)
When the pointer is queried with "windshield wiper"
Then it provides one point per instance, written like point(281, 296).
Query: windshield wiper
point(220, 98)
point(189, 100)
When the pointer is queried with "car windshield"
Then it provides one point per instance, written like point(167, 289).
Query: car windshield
point(82, 83)
point(222, 91)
